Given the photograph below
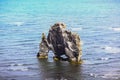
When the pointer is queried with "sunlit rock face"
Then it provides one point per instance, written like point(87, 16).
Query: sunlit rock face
point(61, 42)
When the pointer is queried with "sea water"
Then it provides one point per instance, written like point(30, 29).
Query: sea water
point(23, 21)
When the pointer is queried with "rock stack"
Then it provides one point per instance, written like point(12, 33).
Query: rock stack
point(61, 42)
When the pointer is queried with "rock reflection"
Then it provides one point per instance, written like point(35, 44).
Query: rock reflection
point(59, 70)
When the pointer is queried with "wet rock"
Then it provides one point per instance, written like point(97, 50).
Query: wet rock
point(61, 42)
point(43, 47)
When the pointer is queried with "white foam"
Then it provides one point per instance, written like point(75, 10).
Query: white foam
point(115, 29)
point(77, 29)
point(12, 64)
point(110, 75)
point(81, 42)
point(104, 58)
point(20, 64)
point(17, 67)
point(17, 23)
point(93, 75)
point(16, 64)
point(110, 49)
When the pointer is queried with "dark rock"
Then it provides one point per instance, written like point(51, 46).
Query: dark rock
point(61, 42)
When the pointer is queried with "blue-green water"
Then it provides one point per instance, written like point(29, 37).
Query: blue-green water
point(23, 21)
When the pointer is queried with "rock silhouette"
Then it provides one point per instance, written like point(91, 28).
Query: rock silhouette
point(61, 42)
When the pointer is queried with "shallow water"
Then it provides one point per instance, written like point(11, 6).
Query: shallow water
point(23, 21)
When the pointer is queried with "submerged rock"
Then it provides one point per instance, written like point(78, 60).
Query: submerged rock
point(61, 42)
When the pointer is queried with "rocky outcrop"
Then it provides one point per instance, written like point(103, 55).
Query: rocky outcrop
point(61, 42)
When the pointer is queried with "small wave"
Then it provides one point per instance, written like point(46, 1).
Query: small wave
point(76, 29)
point(115, 29)
point(88, 62)
point(112, 49)
point(17, 23)
point(93, 75)
point(104, 58)
point(110, 75)
point(17, 67)
point(16, 64)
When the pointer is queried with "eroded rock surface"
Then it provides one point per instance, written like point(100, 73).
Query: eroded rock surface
point(61, 42)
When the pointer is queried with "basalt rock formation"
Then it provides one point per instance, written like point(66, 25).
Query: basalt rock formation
point(61, 42)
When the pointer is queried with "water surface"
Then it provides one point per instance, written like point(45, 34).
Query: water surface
point(23, 21)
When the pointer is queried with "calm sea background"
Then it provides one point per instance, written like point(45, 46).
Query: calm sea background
point(23, 21)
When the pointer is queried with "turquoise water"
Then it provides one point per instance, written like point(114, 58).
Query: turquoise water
point(23, 21)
